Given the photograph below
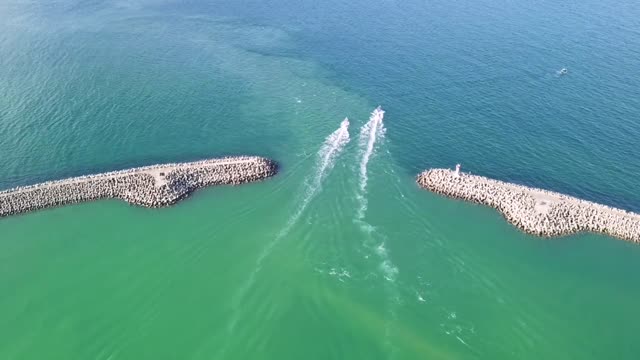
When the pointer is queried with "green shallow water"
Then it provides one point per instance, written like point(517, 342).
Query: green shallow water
point(285, 268)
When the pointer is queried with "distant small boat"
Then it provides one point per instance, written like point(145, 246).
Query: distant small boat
point(563, 71)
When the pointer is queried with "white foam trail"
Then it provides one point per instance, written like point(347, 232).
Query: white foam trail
point(327, 155)
point(372, 131)
point(389, 270)
point(369, 133)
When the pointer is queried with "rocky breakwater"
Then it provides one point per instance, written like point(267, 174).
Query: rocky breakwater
point(534, 211)
point(149, 186)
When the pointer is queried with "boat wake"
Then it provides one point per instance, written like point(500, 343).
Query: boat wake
point(370, 135)
point(370, 132)
point(327, 155)
point(326, 159)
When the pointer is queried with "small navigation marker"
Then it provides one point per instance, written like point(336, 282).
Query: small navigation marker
point(457, 170)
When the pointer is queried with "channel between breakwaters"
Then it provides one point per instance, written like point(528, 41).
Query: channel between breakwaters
point(534, 211)
point(149, 186)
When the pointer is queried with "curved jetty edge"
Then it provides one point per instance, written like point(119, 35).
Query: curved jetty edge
point(149, 186)
point(534, 211)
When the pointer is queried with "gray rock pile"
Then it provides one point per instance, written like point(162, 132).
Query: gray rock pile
point(534, 211)
point(149, 186)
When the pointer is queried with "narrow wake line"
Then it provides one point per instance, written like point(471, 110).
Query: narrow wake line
point(327, 155)
point(369, 133)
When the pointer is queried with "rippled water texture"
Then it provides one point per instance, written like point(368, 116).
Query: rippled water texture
point(340, 256)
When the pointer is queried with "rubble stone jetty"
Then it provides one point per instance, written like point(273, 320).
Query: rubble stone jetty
point(534, 211)
point(150, 186)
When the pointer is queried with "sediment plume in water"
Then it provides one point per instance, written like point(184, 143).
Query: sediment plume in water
point(534, 211)
point(150, 186)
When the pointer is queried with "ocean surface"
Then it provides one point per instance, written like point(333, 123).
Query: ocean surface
point(340, 256)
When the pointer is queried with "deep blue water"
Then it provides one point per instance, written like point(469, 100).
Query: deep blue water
point(476, 82)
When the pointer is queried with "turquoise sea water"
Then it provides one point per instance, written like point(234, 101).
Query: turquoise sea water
point(337, 257)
